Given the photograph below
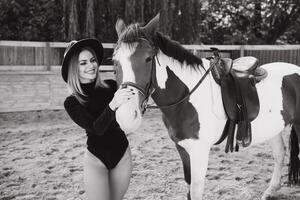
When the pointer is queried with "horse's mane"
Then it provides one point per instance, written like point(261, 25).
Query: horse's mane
point(169, 47)
point(175, 50)
point(130, 35)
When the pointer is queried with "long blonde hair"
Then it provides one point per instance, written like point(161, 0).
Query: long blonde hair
point(73, 76)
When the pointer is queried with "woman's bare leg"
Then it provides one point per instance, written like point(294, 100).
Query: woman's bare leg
point(96, 179)
point(119, 177)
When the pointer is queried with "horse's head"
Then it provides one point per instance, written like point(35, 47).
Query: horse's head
point(134, 60)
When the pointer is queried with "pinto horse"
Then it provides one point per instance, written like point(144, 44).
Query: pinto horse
point(154, 65)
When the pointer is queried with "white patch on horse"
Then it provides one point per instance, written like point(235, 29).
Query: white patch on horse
point(270, 97)
point(217, 105)
point(198, 151)
point(123, 57)
point(184, 73)
point(161, 71)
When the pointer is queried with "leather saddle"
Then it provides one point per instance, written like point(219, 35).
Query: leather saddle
point(237, 79)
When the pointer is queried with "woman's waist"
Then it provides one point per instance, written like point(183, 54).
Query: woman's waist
point(108, 139)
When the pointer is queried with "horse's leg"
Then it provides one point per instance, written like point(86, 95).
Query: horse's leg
point(186, 166)
point(294, 164)
point(278, 150)
point(198, 152)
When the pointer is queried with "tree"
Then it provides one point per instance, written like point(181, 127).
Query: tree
point(73, 28)
point(189, 22)
point(90, 19)
point(256, 22)
point(31, 20)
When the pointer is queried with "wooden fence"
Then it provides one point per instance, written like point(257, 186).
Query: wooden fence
point(30, 71)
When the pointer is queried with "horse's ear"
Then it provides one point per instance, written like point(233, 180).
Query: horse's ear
point(120, 26)
point(152, 26)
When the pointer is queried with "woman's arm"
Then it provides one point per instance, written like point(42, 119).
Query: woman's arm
point(85, 120)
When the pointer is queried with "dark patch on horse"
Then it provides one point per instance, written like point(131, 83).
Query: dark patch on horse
point(294, 164)
point(185, 158)
point(291, 115)
point(291, 99)
point(173, 49)
point(183, 118)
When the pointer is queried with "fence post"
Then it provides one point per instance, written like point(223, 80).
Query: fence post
point(242, 51)
point(48, 56)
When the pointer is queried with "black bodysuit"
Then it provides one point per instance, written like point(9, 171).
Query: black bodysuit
point(105, 139)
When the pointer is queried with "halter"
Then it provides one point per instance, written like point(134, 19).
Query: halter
point(149, 89)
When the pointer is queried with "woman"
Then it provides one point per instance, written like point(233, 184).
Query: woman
point(92, 105)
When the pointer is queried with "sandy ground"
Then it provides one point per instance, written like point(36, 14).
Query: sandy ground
point(41, 156)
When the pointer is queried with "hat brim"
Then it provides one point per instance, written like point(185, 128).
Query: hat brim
point(91, 43)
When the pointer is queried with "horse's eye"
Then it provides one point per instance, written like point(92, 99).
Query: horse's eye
point(148, 59)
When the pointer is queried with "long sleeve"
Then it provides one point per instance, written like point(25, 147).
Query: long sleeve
point(84, 119)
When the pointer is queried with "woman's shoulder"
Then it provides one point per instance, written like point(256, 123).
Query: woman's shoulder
point(70, 100)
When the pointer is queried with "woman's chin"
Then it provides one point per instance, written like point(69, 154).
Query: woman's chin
point(128, 119)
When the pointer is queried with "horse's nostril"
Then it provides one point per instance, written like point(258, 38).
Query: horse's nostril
point(135, 114)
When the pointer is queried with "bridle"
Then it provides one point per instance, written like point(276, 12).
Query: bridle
point(149, 89)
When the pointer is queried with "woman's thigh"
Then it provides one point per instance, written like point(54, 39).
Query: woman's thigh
point(96, 179)
point(120, 176)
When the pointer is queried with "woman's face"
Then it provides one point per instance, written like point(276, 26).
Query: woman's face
point(88, 66)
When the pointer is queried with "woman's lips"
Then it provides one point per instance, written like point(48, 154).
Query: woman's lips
point(90, 71)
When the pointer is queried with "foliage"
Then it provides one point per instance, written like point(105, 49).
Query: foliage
point(189, 21)
point(30, 20)
point(256, 21)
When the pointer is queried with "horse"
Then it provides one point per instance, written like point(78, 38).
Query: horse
point(183, 87)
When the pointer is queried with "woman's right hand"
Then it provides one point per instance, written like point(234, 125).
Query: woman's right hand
point(121, 96)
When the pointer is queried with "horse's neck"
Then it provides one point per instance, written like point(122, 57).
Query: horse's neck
point(177, 78)
point(185, 73)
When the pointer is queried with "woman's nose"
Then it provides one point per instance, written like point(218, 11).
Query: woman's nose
point(89, 65)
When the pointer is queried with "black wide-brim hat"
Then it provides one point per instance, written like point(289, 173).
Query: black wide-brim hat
point(76, 46)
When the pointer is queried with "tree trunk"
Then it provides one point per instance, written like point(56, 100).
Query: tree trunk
point(65, 18)
point(90, 20)
point(166, 17)
point(73, 29)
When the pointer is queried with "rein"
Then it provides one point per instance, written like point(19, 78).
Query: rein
point(187, 96)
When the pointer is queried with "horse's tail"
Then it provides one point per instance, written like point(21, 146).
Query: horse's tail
point(294, 166)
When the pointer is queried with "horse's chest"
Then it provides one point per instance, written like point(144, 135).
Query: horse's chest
point(182, 122)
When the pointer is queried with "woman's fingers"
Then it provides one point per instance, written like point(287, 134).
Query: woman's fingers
point(125, 92)
point(121, 96)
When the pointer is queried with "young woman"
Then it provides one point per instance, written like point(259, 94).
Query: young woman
point(92, 105)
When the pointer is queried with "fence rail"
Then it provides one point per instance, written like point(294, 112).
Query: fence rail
point(30, 71)
point(25, 53)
